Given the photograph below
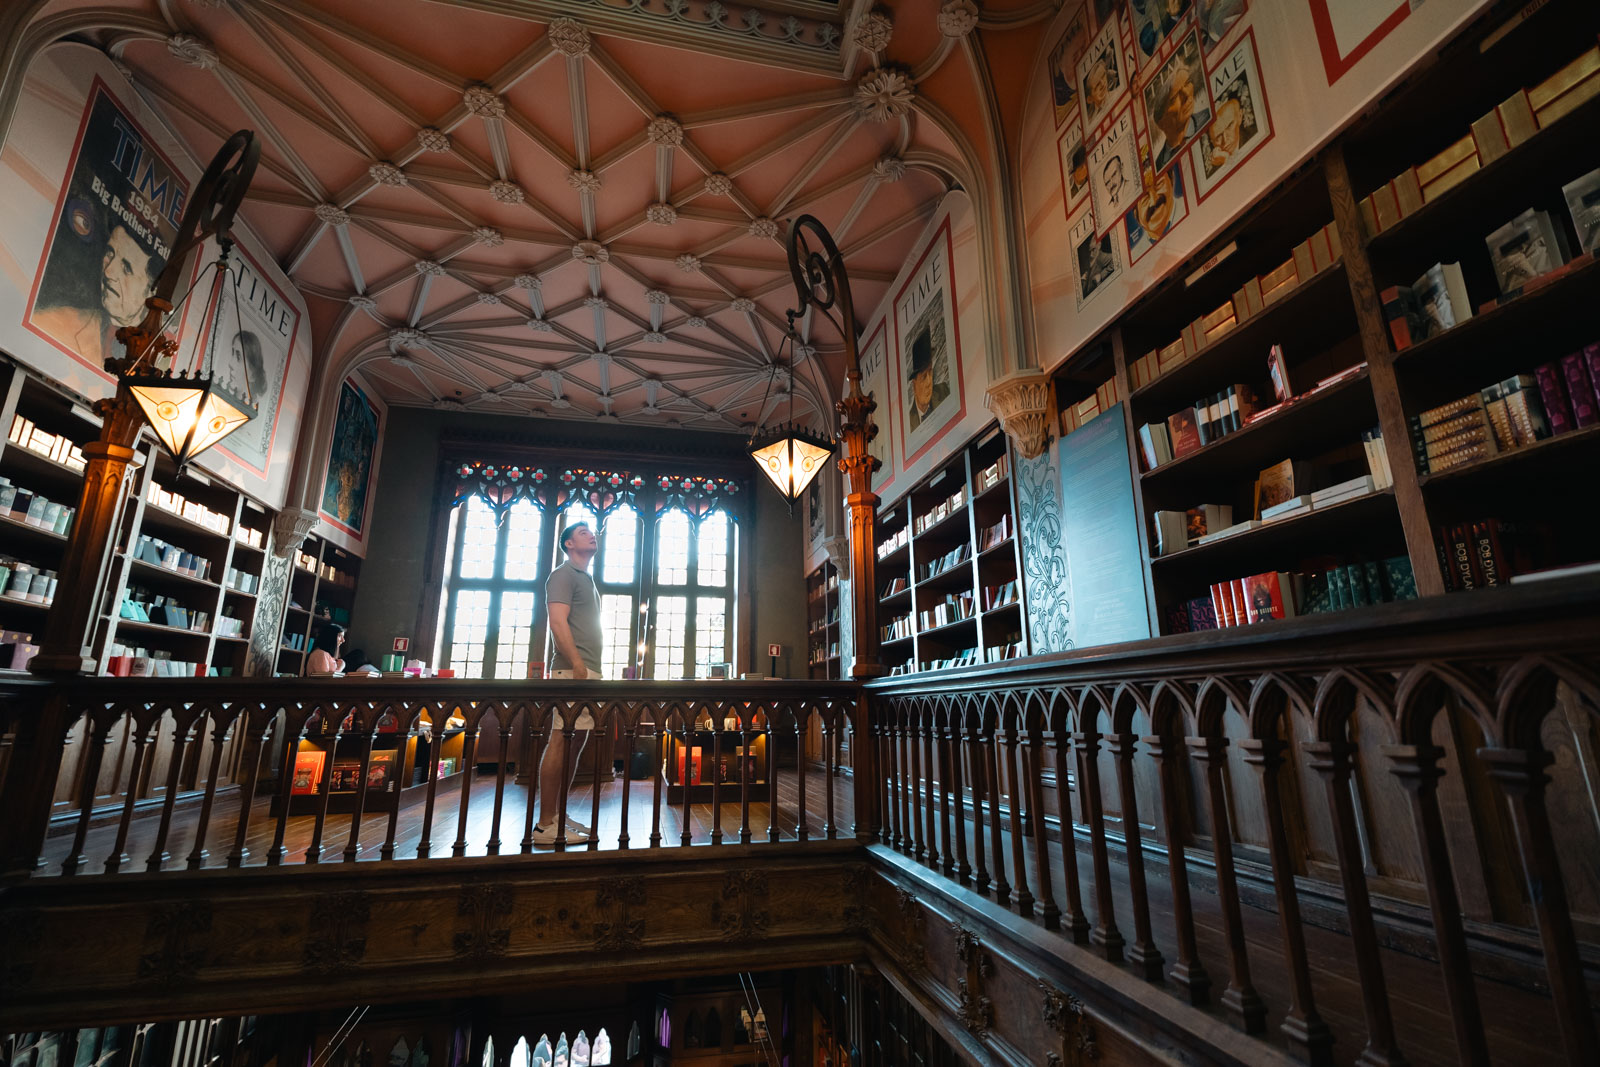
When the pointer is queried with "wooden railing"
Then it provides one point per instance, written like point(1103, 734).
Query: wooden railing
point(1431, 760)
point(119, 775)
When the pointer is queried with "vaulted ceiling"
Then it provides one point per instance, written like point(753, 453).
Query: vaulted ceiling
point(566, 216)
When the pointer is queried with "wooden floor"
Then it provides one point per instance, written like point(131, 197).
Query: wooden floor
point(1521, 1024)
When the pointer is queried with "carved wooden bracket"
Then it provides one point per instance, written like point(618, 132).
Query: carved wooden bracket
point(290, 529)
point(1021, 401)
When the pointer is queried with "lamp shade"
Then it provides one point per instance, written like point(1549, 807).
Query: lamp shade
point(790, 457)
point(188, 414)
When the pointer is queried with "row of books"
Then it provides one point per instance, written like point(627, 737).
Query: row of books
point(1487, 552)
point(992, 475)
point(247, 536)
point(35, 509)
point(1010, 649)
point(942, 510)
point(1190, 429)
point(1000, 596)
point(822, 624)
point(965, 658)
point(822, 654)
point(896, 585)
point(1524, 113)
point(894, 542)
point(998, 534)
point(953, 558)
point(1558, 397)
point(1310, 257)
point(897, 629)
point(324, 570)
point(955, 607)
point(1177, 530)
point(158, 553)
point(126, 662)
point(54, 447)
point(824, 589)
point(142, 606)
point(1106, 396)
point(191, 510)
point(243, 581)
point(1272, 595)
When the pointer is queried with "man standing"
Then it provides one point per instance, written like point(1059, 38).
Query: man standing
point(574, 606)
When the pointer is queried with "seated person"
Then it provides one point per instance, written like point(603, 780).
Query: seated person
point(324, 659)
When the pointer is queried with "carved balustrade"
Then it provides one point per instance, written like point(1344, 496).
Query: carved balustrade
point(1417, 779)
point(117, 775)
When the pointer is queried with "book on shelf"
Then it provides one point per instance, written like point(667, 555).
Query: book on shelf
point(896, 585)
point(1524, 249)
point(1576, 570)
point(897, 628)
point(894, 542)
point(992, 475)
point(1183, 432)
point(1177, 530)
point(1578, 374)
point(1278, 372)
point(1346, 490)
point(1441, 295)
point(1155, 445)
point(953, 558)
point(1583, 204)
point(1282, 481)
point(1562, 92)
point(1287, 509)
point(1231, 531)
point(1377, 458)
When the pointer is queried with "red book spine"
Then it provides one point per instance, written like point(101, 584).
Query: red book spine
point(1554, 393)
point(1486, 551)
point(1241, 610)
point(1580, 389)
point(1223, 604)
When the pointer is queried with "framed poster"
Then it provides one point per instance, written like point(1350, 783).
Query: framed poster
point(1240, 120)
point(1153, 22)
point(1114, 171)
point(347, 487)
point(1161, 207)
point(931, 396)
point(1216, 18)
point(815, 516)
point(249, 342)
point(875, 383)
point(1094, 258)
point(1063, 66)
point(1176, 105)
point(1074, 158)
point(1349, 29)
point(1102, 76)
point(115, 222)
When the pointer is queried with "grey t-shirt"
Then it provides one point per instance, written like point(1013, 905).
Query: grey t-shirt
point(569, 585)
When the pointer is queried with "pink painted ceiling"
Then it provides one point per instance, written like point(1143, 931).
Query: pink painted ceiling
point(572, 223)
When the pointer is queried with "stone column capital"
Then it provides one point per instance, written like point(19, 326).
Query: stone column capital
point(1021, 401)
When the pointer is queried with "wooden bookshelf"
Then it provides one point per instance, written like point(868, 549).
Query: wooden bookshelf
point(322, 587)
point(1331, 321)
point(823, 610)
point(191, 576)
point(944, 545)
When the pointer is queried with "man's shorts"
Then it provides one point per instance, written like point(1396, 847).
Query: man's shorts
point(585, 720)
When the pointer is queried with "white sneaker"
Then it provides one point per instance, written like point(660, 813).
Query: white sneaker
point(575, 825)
point(546, 835)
